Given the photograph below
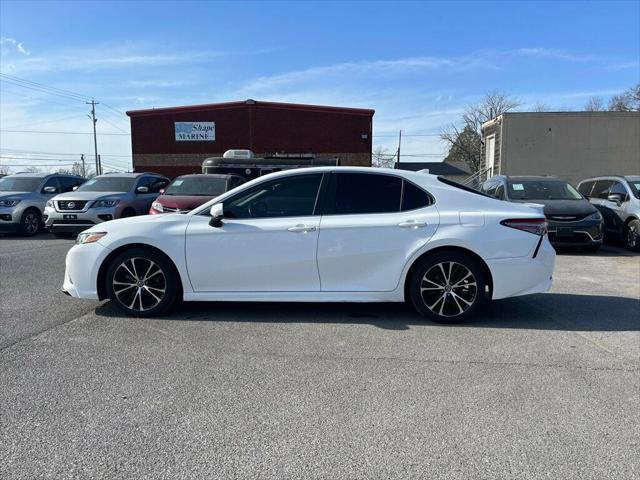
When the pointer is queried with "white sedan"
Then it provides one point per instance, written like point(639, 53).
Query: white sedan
point(332, 234)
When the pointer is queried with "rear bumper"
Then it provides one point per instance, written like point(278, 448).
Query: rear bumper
point(575, 234)
point(523, 275)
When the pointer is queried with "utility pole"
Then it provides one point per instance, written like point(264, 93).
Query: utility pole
point(399, 143)
point(100, 163)
point(94, 120)
point(84, 169)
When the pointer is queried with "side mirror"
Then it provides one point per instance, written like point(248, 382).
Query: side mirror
point(217, 213)
point(75, 188)
point(142, 189)
point(49, 189)
point(161, 191)
point(615, 198)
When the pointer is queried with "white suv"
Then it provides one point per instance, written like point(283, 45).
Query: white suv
point(618, 199)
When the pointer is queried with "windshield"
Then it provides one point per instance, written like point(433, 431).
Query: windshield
point(19, 184)
point(542, 190)
point(197, 186)
point(107, 184)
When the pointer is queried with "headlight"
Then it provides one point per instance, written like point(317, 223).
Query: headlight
point(9, 203)
point(89, 237)
point(595, 216)
point(157, 206)
point(105, 203)
point(50, 203)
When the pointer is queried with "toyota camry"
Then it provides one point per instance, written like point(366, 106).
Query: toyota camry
point(328, 234)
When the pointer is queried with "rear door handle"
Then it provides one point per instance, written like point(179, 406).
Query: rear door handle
point(302, 228)
point(412, 224)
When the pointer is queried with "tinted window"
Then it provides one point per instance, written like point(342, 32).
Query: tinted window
point(52, 182)
point(19, 184)
point(354, 193)
point(203, 185)
point(601, 189)
point(107, 184)
point(585, 188)
point(414, 197)
point(542, 190)
point(156, 184)
point(634, 184)
point(285, 197)
point(67, 183)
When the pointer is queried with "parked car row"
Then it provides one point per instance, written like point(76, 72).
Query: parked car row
point(603, 206)
point(68, 204)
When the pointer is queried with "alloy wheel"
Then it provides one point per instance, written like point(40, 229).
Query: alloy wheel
point(448, 289)
point(31, 223)
point(633, 237)
point(139, 284)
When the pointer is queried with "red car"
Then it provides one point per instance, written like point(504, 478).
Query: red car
point(190, 191)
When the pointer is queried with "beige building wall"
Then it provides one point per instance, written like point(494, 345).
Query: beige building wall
point(569, 145)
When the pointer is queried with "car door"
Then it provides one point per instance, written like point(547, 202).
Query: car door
point(372, 223)
point(616, 210)
point(267, 242)
point(142, 200)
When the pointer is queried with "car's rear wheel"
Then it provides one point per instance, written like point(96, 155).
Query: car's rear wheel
point(447, 287)
point(142, 282)
point(30, 222)
point(632, 236)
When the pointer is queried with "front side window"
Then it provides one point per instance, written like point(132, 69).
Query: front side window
point(542, 190)
point(67, 183)
point(618, 189)
point(19, 184)
point(601, 189)
point(156, 184)
point(107, 184)
point(293, 196)
point(52, 182)
point(634, 184)
point(358, 193)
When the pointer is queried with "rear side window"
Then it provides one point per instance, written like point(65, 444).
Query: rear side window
point(585, 188)
point(601, 189)
point(358, 193)
point(414, 197)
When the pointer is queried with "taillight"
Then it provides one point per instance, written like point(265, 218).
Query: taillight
point(537, 226)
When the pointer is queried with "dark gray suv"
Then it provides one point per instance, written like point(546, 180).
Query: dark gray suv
point(23, 197)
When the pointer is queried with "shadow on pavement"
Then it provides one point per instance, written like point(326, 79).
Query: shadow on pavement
point(551, 311)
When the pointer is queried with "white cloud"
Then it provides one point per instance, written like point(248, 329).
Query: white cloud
point(552, 53)
point(12, 42)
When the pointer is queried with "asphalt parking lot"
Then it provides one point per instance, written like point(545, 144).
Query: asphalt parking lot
point(545, 386)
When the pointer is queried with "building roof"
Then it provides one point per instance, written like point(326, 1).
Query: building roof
point(250, 102)
point(488, 123)
point(435, 168)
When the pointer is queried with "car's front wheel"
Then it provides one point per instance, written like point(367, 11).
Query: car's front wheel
point(632, 236)
point(30, 222)
point(447, 287)
point(142, 282)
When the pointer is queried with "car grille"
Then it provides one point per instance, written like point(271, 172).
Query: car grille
point(565, 218)
point(69, 205)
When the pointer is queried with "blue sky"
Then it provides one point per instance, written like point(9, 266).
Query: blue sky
point(418, 64)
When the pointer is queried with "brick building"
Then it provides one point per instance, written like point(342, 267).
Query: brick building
point(176, 140)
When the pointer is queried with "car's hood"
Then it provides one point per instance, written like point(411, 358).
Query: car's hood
point(142, 223)
point(84, 196)
point(182, 202)
point(564, 207)
point(13, 195)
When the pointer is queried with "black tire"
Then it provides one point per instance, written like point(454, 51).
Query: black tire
point(128, 212)
point(30, 222)
point(632, 236)
point(433, 289)
point(134, 295)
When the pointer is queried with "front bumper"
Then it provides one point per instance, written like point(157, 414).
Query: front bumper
point(74, 222)
point(10, 218)
point(575, 234)
point(82, 265)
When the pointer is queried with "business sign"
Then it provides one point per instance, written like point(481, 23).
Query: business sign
point(195, 131)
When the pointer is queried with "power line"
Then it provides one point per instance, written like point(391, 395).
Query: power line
point(58, 153)
point(114, 109)
point(44, 122)
point(113, 124)
point(22, 82)
point(63, 133)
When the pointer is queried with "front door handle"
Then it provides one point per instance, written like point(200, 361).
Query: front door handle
point(302, 228)
point(412, 224)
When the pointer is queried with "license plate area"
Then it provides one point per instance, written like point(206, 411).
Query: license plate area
point(564, 232)
point(68, 216)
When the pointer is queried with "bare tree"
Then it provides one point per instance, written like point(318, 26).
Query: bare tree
point(32, 169)
point(540, 107)
point(627, 101)
point(4, 170)
point(381, 158)
point(594, 104)
point(465, 144)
